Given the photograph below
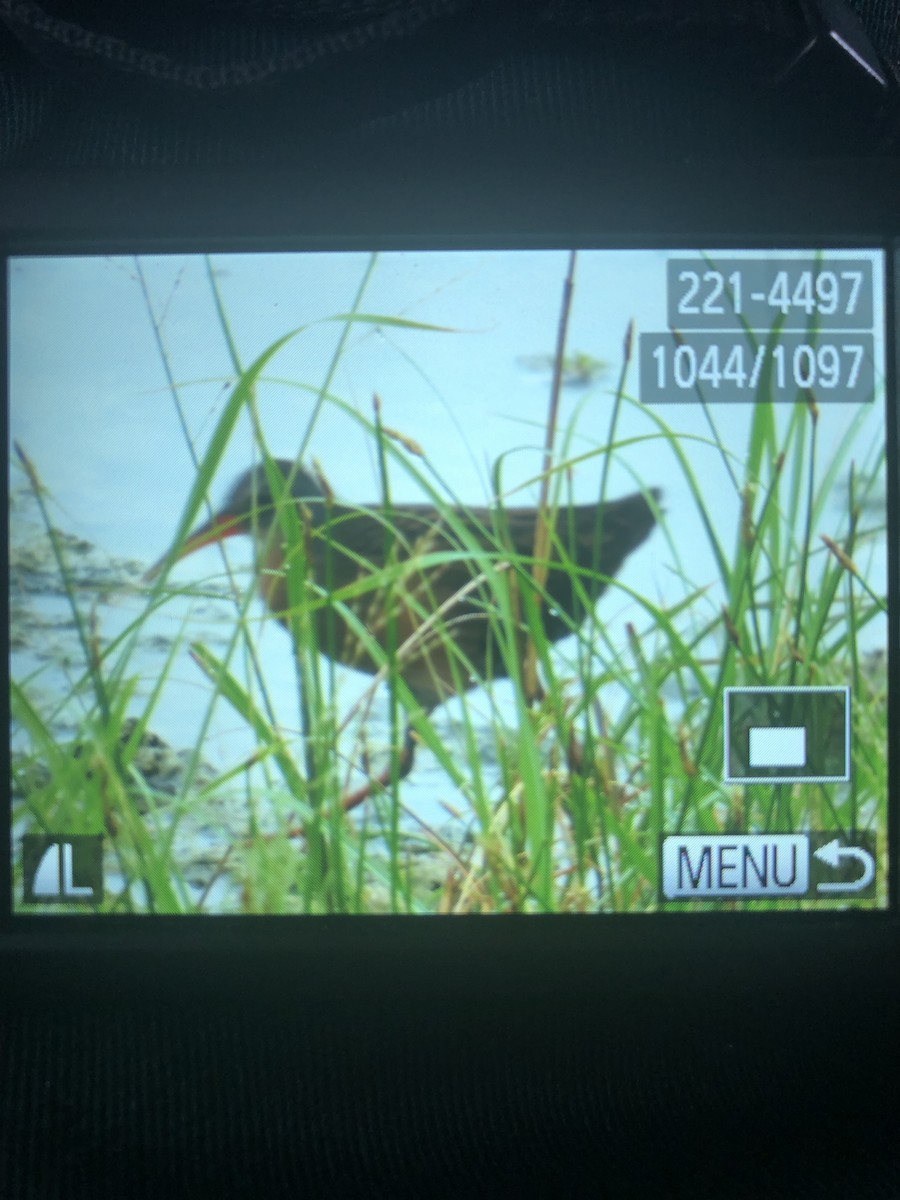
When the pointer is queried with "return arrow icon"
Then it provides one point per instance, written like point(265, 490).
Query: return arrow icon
point(832, 853)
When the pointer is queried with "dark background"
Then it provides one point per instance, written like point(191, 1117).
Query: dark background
point(705, 1056)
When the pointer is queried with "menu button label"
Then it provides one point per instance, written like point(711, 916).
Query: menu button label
point(731, 866)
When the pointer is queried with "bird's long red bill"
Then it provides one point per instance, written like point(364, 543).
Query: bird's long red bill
point(215, 530)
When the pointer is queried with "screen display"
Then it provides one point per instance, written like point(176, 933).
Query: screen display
point(450, 581)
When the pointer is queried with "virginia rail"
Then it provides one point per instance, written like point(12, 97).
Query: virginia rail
point(346, 544)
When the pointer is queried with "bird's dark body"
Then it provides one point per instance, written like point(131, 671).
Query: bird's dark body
point(444, 630)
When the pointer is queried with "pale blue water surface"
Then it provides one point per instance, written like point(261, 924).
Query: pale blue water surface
point(92, 404)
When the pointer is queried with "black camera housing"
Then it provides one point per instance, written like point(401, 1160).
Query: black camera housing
point(710, 1006)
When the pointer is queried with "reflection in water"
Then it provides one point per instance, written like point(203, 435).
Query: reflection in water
point(578, 370)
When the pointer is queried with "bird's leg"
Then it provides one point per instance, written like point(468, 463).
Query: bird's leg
point(378, 784)
point(382, 781)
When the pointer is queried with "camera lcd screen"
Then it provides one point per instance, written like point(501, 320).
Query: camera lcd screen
point(450, 581)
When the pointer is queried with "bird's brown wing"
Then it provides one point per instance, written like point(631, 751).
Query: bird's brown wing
point(412, 572)
point(421, 564)
point(588, 548)
point(364, 541)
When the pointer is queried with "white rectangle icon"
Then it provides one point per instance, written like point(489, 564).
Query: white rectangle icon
point(770, 735)
point(729, 866)
point(780, 746)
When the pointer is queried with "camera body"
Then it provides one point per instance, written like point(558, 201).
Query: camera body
point(768, 285)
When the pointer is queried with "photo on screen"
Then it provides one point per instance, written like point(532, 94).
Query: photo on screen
point(449, 582)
